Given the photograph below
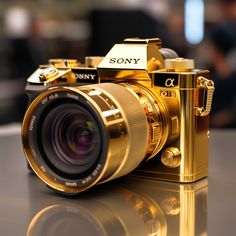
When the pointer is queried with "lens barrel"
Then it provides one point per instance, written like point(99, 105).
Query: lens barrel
point(75, 137)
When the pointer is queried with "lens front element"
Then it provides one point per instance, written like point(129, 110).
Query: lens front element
point(70, 133)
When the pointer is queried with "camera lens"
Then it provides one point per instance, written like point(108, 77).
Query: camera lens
point(76, 137)
point(70, 133)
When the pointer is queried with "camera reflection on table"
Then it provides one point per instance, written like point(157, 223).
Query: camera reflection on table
point(129, 206)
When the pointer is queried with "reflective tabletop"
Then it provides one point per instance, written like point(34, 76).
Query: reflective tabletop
point(127, 206)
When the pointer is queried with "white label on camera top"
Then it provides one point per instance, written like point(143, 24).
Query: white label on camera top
point(122, 56)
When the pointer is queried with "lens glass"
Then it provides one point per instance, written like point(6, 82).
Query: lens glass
point(70, 138)
point(74, 137)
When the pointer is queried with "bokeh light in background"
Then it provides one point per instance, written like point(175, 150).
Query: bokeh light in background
point(31, 32)
point(194, 21)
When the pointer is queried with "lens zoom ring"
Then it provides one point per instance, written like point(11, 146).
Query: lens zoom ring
point(137, 125)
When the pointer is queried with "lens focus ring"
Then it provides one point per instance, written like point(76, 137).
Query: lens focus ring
point(136, 123)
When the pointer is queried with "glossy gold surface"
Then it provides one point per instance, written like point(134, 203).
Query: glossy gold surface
point(183, 129)
point(64, 63)
point(193, 132)
point(93, 61)
point(171, 157)
point(179, 64)
point(23, 196)
point(132, 61)
point(130, 208)
point(204, 96)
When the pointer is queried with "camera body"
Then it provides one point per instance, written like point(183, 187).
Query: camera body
point(174, 96)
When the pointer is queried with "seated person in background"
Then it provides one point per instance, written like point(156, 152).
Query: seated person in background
point(223, 42)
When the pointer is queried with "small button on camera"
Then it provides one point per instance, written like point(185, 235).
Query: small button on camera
point(48, 73)
point(179, 64)
point(171, 157)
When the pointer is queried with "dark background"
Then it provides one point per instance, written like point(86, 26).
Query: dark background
point(33, 32)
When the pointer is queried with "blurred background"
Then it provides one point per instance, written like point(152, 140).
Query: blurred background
point(31, 32)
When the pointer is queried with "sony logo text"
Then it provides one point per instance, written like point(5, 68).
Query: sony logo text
point(85, 76)
point(124, 60)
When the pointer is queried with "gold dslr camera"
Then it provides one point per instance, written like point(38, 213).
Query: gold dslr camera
point(141, 108)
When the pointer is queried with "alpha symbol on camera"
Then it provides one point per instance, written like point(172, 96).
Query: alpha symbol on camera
point(169, 82)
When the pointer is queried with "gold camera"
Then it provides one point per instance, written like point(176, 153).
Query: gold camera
point(141, 108)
